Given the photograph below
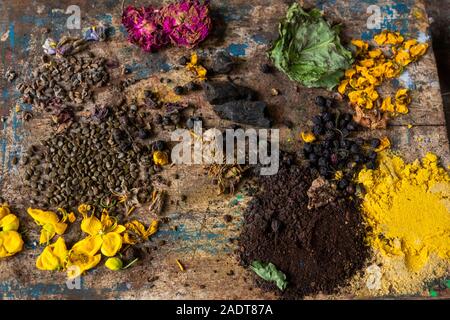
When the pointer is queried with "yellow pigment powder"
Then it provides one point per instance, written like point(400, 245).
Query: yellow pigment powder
point(407, 207)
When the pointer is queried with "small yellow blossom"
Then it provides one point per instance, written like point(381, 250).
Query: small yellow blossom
point(418, 50)
point(308, 137)
point(160, 158)
point(193, 66)
point(385, 143)
point(338, 175)
point(403, 58)
point(104, 235)
point(387, 105)
point(343, 86)
point(361, 45)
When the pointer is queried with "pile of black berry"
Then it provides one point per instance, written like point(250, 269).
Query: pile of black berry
point(334, 150)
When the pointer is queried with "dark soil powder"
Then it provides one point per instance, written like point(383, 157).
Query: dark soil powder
point(318, 250)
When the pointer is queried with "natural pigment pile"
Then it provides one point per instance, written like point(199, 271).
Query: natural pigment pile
point(317, 249)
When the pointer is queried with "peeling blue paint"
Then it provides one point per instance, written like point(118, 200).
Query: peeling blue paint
point(12, 36)
point(407, 81)
point(237, 49)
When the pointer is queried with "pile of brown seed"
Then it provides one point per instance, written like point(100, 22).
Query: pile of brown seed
point(91, 160)
point(69, 79)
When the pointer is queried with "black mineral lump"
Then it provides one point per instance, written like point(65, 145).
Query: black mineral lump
point(244, 111)
point(320, 101)
point(220, 92)
point(222, 63)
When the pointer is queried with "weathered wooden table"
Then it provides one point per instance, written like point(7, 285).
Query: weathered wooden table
point(202, 240)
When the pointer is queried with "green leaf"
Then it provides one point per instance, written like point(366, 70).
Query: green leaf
point(309, 50)
point(269, 272)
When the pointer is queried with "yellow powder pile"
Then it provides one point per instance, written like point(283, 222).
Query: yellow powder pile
point(407, 207)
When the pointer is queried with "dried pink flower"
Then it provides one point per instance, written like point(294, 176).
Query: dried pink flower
point(187, 22)
point(143, 28)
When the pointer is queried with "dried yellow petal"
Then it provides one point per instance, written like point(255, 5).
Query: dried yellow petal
point(418, 50)
point(160, 158)
point(385, 143)
point(4, 210)
point(387, 105)
point(308, 137)
point(360, 44)
point(9, 222)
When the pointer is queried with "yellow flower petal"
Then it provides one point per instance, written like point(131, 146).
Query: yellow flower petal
point(72, 217)
point(194, 58)
point(60, 249)
point(119, 229)
point(387, 105)
point(403, 58)
point(350, 73)
point(153, 228)
point(84, 209)
point(418, 50)
point(80, 262)
point(9, 222)
point(47, 260)
point(128, 239)
point(376, 53)
point(53, 256)
point(401, 108)
point(10, 243)
point(409, 43)
point(368, 63)
point(47, 234)
point(394, 38)
point(308, 137)
point(43, 217)
point(4, 210)
point(89, 245)
point(112, 242)
point(160, 158)
point(91, 225)
point(360, 44)
point(343, 86)
point(384, 144)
